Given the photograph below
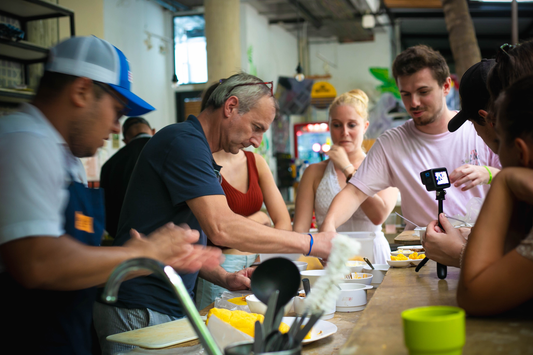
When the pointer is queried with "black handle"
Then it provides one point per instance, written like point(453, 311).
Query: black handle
point(307, 286)
point(442, 271)
point(422, 263)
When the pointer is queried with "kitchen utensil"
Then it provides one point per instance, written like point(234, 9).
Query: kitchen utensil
point(307, 286)
point(270, 313)
point(157, 336)
point(303, 332)
point(369, 263)
point(276, 274)
point(168, 273)
point(416, 225)
point(258, 340)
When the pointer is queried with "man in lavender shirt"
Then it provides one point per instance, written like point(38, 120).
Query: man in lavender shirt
point(424, 142)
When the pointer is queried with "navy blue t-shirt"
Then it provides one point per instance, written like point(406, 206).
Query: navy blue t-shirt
point(176, 165)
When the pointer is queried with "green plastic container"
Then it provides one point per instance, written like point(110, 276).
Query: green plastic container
point(434, 330)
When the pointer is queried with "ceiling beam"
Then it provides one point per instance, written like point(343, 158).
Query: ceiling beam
point(316, 23)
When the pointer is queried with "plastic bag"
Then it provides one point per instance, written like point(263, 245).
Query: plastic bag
point(222, 301)
point(472, 211)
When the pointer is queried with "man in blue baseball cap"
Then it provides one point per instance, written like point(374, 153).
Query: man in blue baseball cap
point(51, 224)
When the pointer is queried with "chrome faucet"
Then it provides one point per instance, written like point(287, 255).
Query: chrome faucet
point(110, 294)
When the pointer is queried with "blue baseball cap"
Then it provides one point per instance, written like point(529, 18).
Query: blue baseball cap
point(98, 60)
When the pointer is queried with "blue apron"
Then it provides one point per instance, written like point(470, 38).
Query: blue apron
point(57, 322)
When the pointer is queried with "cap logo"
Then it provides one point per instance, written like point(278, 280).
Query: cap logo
point(130, 77)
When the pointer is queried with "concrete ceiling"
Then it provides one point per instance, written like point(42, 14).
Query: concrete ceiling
point(418, 21)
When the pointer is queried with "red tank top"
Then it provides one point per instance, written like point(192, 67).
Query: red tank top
point(250, 202)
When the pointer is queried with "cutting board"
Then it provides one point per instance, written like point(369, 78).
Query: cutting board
point(157, 336)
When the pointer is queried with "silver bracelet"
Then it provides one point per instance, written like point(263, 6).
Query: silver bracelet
point(346, 167)
point(461, 254)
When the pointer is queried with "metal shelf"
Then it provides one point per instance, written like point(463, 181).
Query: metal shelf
point(22, 51)
point(15, 96)
point(29, 10)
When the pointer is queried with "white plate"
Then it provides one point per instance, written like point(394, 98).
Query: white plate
point(399, 263)
point(404, 263)
point(412, 247)
point(322, 329)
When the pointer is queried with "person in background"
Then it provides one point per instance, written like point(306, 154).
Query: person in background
point(321, 182)
point(400, 154)
point(51, 224)
point(247, 183)
point(116, 172)
point(493, 279)
point(475, 100)
point(177, 180)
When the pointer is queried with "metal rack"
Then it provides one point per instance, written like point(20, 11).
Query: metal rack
point(22, 51)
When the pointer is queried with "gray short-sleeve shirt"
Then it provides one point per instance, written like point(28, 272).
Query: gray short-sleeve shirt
point(34, 159)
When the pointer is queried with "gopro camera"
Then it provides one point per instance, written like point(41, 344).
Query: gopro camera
point(435, 179)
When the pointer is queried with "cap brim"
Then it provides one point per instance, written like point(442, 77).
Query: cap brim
point(457, 121)
point(137, 105)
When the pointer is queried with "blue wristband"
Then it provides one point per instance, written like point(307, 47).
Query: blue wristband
point(310, 244)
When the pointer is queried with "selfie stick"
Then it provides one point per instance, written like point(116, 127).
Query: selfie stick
point(442, 270)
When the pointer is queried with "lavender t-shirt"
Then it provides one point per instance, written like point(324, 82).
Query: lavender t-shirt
point(399, 156)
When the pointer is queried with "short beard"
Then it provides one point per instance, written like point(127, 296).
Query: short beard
point(430, 120)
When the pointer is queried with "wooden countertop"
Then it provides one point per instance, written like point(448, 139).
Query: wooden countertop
point(330, 345)
point(380, 331)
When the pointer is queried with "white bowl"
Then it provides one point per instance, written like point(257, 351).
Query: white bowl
point(259, 307)
point(352, 297)
point(399, 263)
point(365, 280)
point(379, 272)
point(355, 265)
point(421, 231)
point(312, 275)
point(302, 265)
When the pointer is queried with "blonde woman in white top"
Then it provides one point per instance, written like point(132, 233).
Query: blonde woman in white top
point(321, 182)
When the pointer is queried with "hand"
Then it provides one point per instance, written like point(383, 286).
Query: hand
point(340, 159)
point(322, 244)
point(239, 280)
point(327, 227)
point(172, 245)
point(469, 176)
point(443, 246)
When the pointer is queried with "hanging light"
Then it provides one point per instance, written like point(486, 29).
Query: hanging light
point(174, 82)
point(299, 73)
point(368, 21)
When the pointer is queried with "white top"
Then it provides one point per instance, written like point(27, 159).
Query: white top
point(34, 159)
point(399, 156)
point(325, 193)
point(525, 248)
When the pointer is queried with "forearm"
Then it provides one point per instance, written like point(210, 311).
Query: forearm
point(486, 242)
point(234, 231)
point(62, 263)
point(378, 207)
point(216, 276)
point(343, 207)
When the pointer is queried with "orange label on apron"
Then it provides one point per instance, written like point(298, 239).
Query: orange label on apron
point(83, 223)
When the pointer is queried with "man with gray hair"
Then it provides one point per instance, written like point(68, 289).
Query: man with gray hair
point(177, 180)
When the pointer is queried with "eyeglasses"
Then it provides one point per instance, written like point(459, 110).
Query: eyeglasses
point(271, 83)
point(218, 175)
point(125, 108)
